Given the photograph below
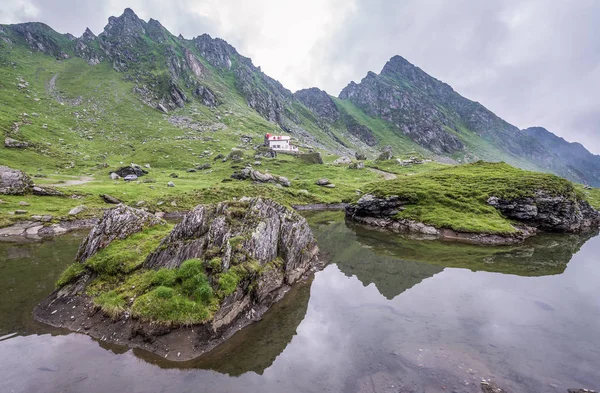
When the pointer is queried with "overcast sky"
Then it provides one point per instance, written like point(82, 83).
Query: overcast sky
point(532, 62)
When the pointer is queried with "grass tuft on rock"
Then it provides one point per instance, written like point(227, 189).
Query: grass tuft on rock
point(70, 274)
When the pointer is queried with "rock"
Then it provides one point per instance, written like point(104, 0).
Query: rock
point(276, 232)
point(130, 178)
point(320, 103)
point(131, 170)
point(246, 139)
point(76, 210)
point(360, 156)
point(191, 170)
point(488, 387)
point(259, 177)
point(322, 182)
point(140, 203)
point(218, 157)
point(357, 165)
point(20, 211)
point(114, 176)
point(284, 181)
point(581, 391)
point(174, 175)
point(110, 199)
point(170, 184)
point(265, 152)
point(382, 212)
point(203, 167)
point(23, 203)
point(117, 223)
point(46, 218)
point(15, 144)
point(342, 161)
point(386, 154)
point(173, 203)
point(330, 185)
point(14, 181)
point(561, 213)
point(46, 191)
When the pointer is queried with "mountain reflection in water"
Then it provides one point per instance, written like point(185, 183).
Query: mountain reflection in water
point(387, 314)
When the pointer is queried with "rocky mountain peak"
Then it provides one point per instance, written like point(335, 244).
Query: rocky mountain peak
point(126, 25)
point(215, 50)
point(319, 102)
point(88, 35)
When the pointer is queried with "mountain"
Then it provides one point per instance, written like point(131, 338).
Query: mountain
point(135, 89)
point(575, 161)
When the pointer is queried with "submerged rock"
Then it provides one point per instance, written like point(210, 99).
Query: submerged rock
point(14, 181)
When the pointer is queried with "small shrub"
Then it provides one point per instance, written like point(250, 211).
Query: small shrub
point(190, 268)
point(215, 264)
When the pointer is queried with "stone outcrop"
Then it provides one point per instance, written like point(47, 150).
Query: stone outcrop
point(14, 181)
point(259, 177)
point(555, 213)
point(252, 228)
point(272, 245)
point(382, 213)
point(117, 223)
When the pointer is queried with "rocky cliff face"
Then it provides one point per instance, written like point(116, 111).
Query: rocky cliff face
point(555, 213)
point(319, 102)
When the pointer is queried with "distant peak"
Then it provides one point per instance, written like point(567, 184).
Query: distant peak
point(129, 12)
point(396, 64)
point(88, 34)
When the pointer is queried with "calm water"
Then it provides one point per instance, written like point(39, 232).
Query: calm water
point(388, 314)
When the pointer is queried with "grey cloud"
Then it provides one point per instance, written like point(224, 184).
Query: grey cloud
point(531, 62)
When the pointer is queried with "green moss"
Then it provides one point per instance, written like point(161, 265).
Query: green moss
point(228, 282)
point(215, 264)
point(124, 256)
point(71, 273)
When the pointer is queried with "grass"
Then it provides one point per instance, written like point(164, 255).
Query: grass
point(70, 274)
point(456, 197)
point(125, 256)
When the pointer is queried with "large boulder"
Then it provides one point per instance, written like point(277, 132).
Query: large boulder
point(14, 181)
point(130, 170)
point(555, 213)
point(117, 223)
point(259, 177)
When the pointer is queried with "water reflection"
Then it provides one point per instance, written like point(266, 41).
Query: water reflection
point(435, 329)
point(256, 347)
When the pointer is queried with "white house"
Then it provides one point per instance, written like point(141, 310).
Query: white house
point(281, 143)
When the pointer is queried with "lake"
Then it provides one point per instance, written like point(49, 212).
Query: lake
point(388, 313)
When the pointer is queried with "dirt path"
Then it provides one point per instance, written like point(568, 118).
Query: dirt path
point(386, 175)
point(75, 182)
